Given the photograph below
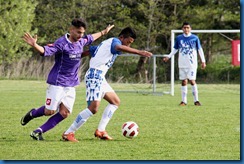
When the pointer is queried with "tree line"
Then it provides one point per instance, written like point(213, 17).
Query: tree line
point(152, 20)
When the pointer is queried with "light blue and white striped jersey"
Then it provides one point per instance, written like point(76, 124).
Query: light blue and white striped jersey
point(104, 55)
point(188, 47)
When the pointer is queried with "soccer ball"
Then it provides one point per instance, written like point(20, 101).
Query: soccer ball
point(130, 129)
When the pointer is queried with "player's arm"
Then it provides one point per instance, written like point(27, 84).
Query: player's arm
point(167, 57)
point(103, 32)
point(32, 41)
point(201, 54)
point(133, 50)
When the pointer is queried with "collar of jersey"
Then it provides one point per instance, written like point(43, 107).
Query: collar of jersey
point(187, 35)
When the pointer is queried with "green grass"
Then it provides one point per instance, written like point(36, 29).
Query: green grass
point(167, 131)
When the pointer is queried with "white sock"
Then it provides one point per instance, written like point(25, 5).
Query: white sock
point(195, 92)
point(80, 120)
point(107, 115)
point(184, 93)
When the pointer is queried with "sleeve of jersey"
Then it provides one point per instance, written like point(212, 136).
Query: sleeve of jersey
point(173, 52)
point(115, 42)
point(200, 51)
point(52, 49)
point(87, 40)
point(92, 50)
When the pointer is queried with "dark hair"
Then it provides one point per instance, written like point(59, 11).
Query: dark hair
point(185, 23)
point(128, 32)
point(78, 22)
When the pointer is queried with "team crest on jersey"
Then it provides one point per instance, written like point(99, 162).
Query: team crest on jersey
point(48, 101)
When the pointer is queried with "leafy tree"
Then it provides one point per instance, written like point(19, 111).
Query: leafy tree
point(16, 18)
point(153, 21)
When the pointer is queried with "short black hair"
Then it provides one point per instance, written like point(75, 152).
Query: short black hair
point(128, 32)
point(78, 22)
point(185, 23)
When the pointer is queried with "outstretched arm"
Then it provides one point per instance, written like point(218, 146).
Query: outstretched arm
point(32, 42)
point(103, 32)
point(133, 50)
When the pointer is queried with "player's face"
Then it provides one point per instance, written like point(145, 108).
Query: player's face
point(127, 41)
point(76, 33)
point(186, 29)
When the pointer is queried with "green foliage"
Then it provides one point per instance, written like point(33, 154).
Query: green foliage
point(153, 21)
point(167, 131)
point(220, 71)
point(16, 18)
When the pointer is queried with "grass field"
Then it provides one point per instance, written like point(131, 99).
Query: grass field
point(167, 131)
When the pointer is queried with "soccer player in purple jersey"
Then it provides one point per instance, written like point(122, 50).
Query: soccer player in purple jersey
point(97, 87)
point(189, 46)
point(63, 77)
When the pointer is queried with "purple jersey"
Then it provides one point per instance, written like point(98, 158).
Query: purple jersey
point(67, 60)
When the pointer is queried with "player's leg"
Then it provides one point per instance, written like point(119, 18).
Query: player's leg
point(41, 111)
point(114, 102)
point(112, 98)
point(184, 81)
point(192, 78)
point(93, 98)
point(107, 115)
point(80, 120)
point(33, 113)
point(60, 98)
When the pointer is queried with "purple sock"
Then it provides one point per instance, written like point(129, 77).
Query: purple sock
point(38, 112)
point(51, 123)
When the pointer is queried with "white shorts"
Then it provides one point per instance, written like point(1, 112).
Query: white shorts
point(55, 95)
point(187, 73)
point(96, 85)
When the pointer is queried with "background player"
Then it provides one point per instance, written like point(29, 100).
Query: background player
point(188, 45)
point(97, 87)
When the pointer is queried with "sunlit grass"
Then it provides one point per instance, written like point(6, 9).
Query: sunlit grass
point(167, 131)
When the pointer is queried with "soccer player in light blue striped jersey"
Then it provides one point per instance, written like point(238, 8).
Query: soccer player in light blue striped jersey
point(189, 47)
point(103, 57)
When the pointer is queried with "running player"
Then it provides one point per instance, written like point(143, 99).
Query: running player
point(63, 77)
point(97, 87)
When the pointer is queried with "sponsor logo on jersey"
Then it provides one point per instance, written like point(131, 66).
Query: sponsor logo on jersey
point(75, 56)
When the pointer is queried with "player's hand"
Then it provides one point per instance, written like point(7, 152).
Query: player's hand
point(107, 29)
point(146, 54)
point(165, 59)
point(29, 39)
point(203, 65)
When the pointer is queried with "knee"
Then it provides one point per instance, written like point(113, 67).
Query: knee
point(65, 113)
point(117, 102)
point(184, 82)
point(48, 112)
point(94, 110)
point(193, 82)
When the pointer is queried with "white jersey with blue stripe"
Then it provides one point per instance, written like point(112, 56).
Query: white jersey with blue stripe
point(105, 54)
point(188, 47)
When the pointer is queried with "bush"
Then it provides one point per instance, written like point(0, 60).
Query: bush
point(220, 71)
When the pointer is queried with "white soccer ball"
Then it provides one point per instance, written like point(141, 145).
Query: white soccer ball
point(130, 129)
